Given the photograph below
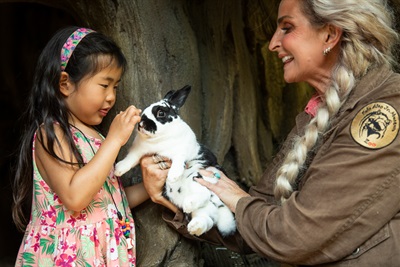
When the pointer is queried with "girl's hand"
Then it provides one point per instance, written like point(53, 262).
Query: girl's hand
point(154, 179)
point(123, 124)
point(226, 189)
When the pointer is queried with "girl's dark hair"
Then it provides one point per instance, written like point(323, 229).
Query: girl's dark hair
point(46, 105)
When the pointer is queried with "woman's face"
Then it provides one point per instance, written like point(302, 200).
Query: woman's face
point(300, 46)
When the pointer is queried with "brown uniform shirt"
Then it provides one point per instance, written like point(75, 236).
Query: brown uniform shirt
point(346, 210)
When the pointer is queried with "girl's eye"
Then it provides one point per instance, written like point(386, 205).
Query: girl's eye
point(160, 114)
point(105, 86)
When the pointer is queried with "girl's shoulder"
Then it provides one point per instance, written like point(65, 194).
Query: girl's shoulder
point(52, 142)
point(56, 132)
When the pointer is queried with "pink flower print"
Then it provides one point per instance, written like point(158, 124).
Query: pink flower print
point(64, 57)
point(112, 252)
point(73, 247)
point(87, 230)
point(71, 221)
point(77, 36)
point(97, 142)
point(44, 230)
point(43, 221)
point(118, 234)
point(57, 199)
point(81, 217)
point(69, 45)
point(44, 186)
point(76, 139)
point(64, 245)
point(65, 261)
point(50, 213)
point(36, 246)
point(37, 237)
point(28, 240)
point(94, 238)
point(111, 211)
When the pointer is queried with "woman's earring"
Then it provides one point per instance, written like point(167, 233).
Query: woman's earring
point(327, 50)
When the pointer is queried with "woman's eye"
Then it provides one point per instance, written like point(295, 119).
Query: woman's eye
point(286, 29)
point(160, 114)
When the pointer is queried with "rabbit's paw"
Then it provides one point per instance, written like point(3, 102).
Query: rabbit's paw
point(190, 204)
point(199, 225)
point(175, 173)
point(121, 168)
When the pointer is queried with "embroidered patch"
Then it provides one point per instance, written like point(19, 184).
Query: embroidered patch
point(375, 125)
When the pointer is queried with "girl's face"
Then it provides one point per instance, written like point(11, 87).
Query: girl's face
point(90, 100)
point(299, 45)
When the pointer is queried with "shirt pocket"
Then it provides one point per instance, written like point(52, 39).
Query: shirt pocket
point(376, 239)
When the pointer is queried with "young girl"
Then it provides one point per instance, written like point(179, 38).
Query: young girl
point(80, 214)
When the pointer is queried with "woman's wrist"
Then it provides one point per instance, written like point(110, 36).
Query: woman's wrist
point(160, 199)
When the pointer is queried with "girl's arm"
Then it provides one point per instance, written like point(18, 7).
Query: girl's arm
point(76, 186)
point(136, 194)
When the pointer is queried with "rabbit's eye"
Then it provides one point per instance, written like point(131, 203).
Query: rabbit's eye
point(160, 114)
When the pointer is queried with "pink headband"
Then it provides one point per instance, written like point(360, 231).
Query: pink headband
point(70, 45)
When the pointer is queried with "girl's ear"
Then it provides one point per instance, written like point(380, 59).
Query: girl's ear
point(65, 85)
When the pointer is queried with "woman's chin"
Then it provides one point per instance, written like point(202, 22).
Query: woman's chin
point(289, 79)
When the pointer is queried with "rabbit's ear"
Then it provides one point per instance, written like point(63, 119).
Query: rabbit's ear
point(178, 98)
point(169, 95)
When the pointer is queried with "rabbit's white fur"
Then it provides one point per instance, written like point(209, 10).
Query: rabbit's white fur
point(163, 132)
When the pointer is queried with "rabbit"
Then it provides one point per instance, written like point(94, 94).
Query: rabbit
point(162, 131)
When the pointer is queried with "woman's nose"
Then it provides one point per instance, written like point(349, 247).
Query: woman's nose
point(275, 42)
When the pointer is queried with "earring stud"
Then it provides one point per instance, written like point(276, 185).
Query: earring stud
point(327, 50)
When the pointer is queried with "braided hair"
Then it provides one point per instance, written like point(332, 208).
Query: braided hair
point(368, 40)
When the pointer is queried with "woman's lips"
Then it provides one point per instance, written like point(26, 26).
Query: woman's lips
point(287, 59)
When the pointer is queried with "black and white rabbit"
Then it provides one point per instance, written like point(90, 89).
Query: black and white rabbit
point(162, 131)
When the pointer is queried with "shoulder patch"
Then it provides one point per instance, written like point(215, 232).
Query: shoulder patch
point(375, 126)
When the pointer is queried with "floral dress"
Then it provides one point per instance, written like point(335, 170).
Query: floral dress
point(56, 236)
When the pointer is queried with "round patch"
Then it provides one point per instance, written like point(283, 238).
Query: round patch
point(375, 126)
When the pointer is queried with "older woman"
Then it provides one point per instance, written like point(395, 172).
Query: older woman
point(331, 197)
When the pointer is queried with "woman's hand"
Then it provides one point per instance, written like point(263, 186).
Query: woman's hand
point(154, 173)
point(123, 124)
point(226, 189)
